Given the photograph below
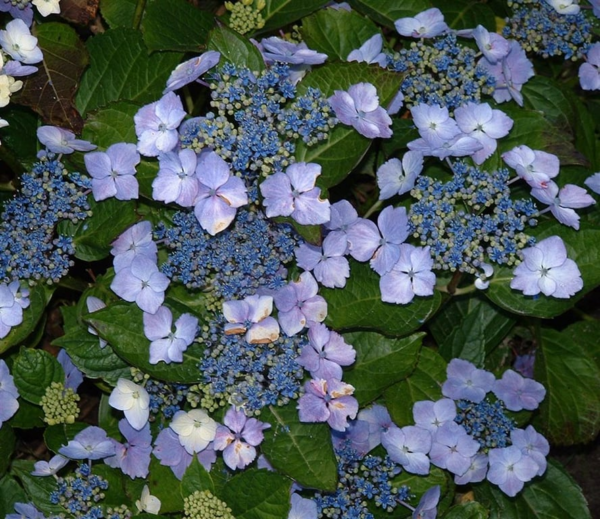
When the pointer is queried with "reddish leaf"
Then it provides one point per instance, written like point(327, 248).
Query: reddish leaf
point(51, 90)
point(80, 12)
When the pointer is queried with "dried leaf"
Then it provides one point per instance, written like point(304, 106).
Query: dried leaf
point(80, 12)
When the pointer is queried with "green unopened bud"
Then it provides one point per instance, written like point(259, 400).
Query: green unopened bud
point(59, 404)
point(204, 505)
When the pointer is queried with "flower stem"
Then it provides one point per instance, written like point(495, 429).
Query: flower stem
point(139, 12)
point(373, 208)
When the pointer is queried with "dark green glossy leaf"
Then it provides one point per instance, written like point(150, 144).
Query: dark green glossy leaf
point(28, 416)
point(50, 91)
point(235, 49)
point(303, 451)
point(278, 13)
point(111, 124)
point(7, 444)
point(359, 305)
point(122, 326)
point(38, 489)
point(387, 13)
point(469, 328)
point(196, 478)
point(554, 495)
point(20, 134)
point(404, 132)
point(337, 32)
point(118, 13)
point(380, 362)
point(34, 371)
point(420, 484)
point(468, 510)
point(565, 364)
point(39, 297)
point(10, 493)
point(258, 494)
point(121, 69)
point(583, 247)
point(465, 14)
point(176, 25)
point(425, 383)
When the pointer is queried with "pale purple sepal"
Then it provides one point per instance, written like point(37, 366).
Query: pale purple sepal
point(409, 447)
point(90, 444)
point(176, 180)
point(328, 263)
point(427, 507)
point(343, 217)
point(493, 46)
point(466, 382)
point(276, 49)
point(302, 508)
point(135, 241)
point(359, 107)
point(545, 268)
point(434, 124)
point(518, 392)
point(379, 422)
point(393, 226)
point(476, 472)
point(370, 52)
point(453, 448)
point(410, 276)
point(251, 316)
point(593, 183)
point(16, 69)
point(510, 469)
point(431, 415)
point(536, 167)
point(25, 14)
point(132, 457)
point(191, 70)
point(328, 401)
point(427, 24)
point(562, 203)
point(11, 312)
point(58, 140)
point(532, 444)
point(589, 72)
point(49, 468)
point(73, 377)
point(166, 345)
point(396, 178)
point(113, 172)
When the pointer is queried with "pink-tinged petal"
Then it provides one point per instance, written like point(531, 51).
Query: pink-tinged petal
point(223, 438)
point(343, 106)
point(365, 97)
point(341, 409)
point(239, 455)
point(214, 214)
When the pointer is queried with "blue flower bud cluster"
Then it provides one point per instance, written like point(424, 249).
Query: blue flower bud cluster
point(539, 28)
point(80, 494)
point(485, 422)
point(470, 219)
point(30, 248)
point(250, 376)
point(257, 118)
point(361, 479)
point(441, 71)
point(236, 262)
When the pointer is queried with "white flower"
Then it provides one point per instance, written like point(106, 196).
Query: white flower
point(564, 6)
point(46, 7)
point(133, 400)
point(18, 42)
point(148, 503)
point(8, 86)
point(195, 429)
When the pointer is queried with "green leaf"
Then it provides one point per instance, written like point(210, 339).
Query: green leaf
point(195, 478)
point(303, 451)
point(7, 445)
point(420, 484)
point(423, 384)
point(344, 147)
point(111, 124)
point(92, 237)
point(10, 493)
point(20, 135)
point(39, 297)
point(234, 48)
point(176, 25)
point(465, 14)
point(554, 495)
point(162, 483)
point(121, 69)
point(50, 91)
point(58, 436)
point(469, 510)
point(565, 364)
point(34, 371)
point(118, 13)
point(583, 247)
point(380, 362)
point(337, 32)
point(404, 132)
point(28, 416)
point(122, 326)
point(278, 13)
point(470, 328)
point(258, 494)
point(359, 305)
point(387, 13)
point(37, 488)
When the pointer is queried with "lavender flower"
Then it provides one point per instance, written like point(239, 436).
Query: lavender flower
point(409, 447)
point(90, 444)
point(492, 45)
point(534, 166)
point(359, 107)
point(532, 444)
point(396, 178)
point(239, 438)
point(327, 263)
point(191, 70)
point(432, 415)
point(252, 317)
point(219, 193)
point(562, 203)
point(135, 241)
point(276, 49)
point(593, 182)
point(73, 377)
point(11, 312)
point(326, 353)
point(171, 453)
point(379, 422)
point(343, 217)
point(49, 468)
point(546, 268)
point(19, 44)
point(58, 140)
point(176, 180)
point(328, 401)
point(370, 52)
point(113, 172)
point(132, 457)
point(410, 276)
point(476, 471)
point(466, 382)
point(142, 283)
point(518, 392)
point(434, 123)
point(166, 345)
point(453, 448)
point(302, 508)
point(510, 469)
point(589, 72)
point(294, 194)
point(8, 394)
point(156, 125)
point(427, 24)
point(26, 511)
point(427, 507)
point(299, 305)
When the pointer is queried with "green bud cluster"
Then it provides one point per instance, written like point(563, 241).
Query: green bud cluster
point(118, 512)
point(59, 404)
point(246, 17)
point(202, 504)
